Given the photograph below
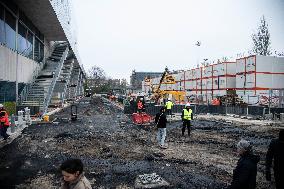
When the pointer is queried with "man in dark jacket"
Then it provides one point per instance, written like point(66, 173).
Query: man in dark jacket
point(276, 152)
point(161, 122)
point(244, 175)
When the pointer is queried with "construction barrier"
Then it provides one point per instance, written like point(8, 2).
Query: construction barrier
point(237, 110)
point(142, 118)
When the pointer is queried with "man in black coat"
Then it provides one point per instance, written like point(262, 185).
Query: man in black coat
point(161, 122)
point(276, 152)
point(244, 175)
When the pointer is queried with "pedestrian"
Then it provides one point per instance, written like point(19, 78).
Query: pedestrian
point(275, 153)
point(169, 105)
point(139, 106)
point(4, 122)
point(186, 117)
point(244, 175)
point(161, 123)
point(73, 175)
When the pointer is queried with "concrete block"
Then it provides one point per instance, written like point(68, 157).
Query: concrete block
point(282, 117)
point(268, 116)
point(150, 181)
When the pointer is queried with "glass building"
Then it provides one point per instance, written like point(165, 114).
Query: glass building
point(28, 30)
point(17, 29)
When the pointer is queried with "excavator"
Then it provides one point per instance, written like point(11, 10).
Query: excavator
point(167, 78)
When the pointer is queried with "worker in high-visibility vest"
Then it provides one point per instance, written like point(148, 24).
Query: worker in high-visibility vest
point(186, 116)
point(169, 105)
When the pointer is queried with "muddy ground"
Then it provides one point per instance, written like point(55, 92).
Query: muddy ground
point(115, 151)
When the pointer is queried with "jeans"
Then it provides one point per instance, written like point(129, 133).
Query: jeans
point(161, 135)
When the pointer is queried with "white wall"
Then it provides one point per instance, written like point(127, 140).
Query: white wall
point(8, 60)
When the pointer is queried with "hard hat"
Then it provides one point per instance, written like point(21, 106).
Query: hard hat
point(1, 106)
point(187, 104)
point(169, 99)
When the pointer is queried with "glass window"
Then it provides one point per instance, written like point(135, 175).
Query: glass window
point(22, 44)
point(2, 31)
point(37, 50)
point(12, 6)
point(30, 39)
point(41, 52)
point(10, 29)
point(25, 41)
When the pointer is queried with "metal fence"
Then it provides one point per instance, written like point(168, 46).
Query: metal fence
point(204, 109)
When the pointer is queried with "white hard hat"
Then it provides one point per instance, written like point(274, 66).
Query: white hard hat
point(1, 106)
point(187, 104)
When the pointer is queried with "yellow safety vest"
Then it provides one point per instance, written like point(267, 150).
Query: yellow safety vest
point(187, 114)
point(169, 105)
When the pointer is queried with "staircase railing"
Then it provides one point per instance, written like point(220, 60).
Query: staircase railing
point(67, 81)
point(48, 95)
point(25, 91)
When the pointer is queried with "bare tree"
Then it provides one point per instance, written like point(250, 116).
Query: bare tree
point(96, 78)
point(261, 39)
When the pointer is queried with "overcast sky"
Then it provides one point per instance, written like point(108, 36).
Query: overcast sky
point(147, 35)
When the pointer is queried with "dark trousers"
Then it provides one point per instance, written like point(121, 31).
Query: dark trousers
point(186, 123)
point(3, 132)
point(169, 112)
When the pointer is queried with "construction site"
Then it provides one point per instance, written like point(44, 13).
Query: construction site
point(52, 110)
point(116, 151)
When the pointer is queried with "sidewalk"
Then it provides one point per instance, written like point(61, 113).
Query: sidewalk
point(19, 129)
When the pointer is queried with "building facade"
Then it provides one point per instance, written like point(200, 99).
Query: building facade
point(137, 77)
point(33, 36)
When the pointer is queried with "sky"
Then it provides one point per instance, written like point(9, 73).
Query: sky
point(147, 35)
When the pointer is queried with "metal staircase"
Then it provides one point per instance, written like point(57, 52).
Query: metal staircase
point(63, 81)
point(40, 91)
point(73, 84)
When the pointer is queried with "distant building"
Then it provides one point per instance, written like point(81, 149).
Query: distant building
point(137, 77)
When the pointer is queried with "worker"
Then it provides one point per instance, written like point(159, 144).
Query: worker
point(4, 122)
point(186, 116)
point(73, 175)
point(161, 123)
point(139, 106)
point(169, 105)
point(275, 153)
point(244, 175)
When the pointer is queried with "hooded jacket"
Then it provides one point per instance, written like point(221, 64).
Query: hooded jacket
point(244, 175)
point(161, 120)
point(276, 152)
point(80, 183)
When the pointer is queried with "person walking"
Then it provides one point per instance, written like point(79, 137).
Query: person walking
point(139, 106)
point(186, 116)
point(161, 123)
point(169, 105)
point(244, 175)
point(4, 122)
point(73, 175)
point(275, 153)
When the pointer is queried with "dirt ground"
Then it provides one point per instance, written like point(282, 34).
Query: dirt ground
point(115, 152)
